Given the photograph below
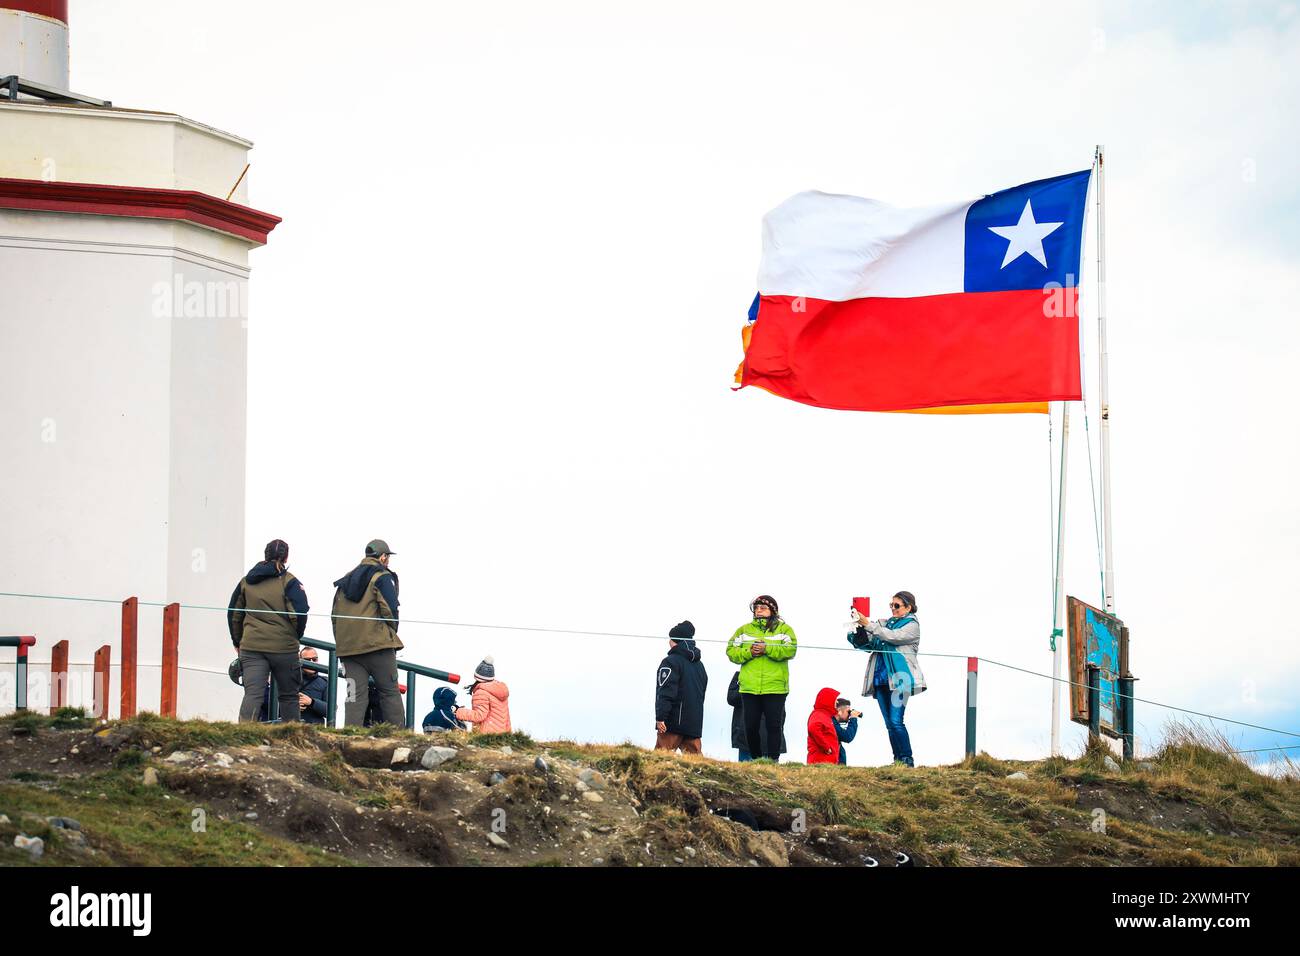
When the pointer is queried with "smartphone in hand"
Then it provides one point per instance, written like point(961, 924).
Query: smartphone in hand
point(863, 606)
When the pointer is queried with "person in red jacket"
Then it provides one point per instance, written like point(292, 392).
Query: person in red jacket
point(823, 741)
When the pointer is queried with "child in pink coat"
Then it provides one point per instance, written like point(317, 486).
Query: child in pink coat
point(489, 711)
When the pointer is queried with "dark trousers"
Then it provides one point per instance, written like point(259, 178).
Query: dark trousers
point(382, 666)
point(892, 706)
point(258, 667)
point(760, 708)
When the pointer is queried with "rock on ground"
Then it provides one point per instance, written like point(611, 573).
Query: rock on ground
point(436, 756)
point(33, 845)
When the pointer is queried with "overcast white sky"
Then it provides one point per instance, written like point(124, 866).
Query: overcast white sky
point(498, 325)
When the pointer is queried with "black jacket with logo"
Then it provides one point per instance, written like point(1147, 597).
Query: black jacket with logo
point(679, 690)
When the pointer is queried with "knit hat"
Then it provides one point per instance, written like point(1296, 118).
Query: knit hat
point(683, 631)
point(764, 600)
point(276, 550)
point(486, 670)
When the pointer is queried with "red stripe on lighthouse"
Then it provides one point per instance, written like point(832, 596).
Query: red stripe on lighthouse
point(54, 9)
point(144, 203)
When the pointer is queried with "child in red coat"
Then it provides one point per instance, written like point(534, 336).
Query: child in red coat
point(823, 741)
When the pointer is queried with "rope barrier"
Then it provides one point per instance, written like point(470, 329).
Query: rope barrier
point(652, 637)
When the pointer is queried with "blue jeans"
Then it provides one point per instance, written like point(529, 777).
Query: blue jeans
point(893, 716)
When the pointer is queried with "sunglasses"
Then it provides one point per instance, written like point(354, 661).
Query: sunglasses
point(895, 606)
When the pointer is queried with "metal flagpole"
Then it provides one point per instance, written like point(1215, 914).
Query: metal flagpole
point(1058, 625)
point(1108, 574)
point(1108, 571)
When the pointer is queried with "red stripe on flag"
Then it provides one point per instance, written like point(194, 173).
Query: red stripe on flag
point(878, 354)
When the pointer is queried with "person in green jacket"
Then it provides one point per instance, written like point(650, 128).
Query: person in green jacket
point(763, 649)
point(365, 633)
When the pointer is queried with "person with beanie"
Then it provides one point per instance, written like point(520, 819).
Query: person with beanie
point(763, 649)
point(680, 685)
point(365, 633)
point(893, 671)
point(823, 740)
point(267, 614)
point(488, 711)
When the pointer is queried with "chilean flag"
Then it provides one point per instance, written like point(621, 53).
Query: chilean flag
point(870, 307)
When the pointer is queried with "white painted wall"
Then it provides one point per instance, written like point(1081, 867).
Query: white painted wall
point(120, 147)
point(123, 380)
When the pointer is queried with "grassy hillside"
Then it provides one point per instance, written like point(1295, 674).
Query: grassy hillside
point(166, 792)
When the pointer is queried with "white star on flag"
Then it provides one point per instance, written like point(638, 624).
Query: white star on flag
point(1026, 236)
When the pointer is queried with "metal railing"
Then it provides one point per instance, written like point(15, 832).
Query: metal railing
point(331, 671)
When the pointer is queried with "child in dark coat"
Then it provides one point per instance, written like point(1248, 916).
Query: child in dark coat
point(443, 715)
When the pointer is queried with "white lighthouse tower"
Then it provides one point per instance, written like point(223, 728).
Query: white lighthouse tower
point(124, 261)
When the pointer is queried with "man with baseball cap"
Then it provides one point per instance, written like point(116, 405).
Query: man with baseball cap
point(365, 632)
point(267, 615)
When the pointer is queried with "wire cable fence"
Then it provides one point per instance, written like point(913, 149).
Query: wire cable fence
point(652, 637)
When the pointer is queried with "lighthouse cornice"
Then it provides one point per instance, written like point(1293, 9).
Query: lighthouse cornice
point(139, 202)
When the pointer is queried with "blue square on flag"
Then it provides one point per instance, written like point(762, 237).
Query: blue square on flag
point(1027, 236)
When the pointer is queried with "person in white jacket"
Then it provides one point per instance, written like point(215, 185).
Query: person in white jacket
point(893, 672)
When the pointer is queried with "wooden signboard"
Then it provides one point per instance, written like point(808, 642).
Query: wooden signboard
point(1102, 639)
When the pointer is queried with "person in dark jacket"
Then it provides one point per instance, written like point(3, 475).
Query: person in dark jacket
point(846, 725)
point(267, 615)
point(443, 715)
point(680, 684)
point(312, 696)
point(738, 723)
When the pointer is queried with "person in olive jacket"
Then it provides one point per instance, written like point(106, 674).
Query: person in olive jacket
point(763, 649)
point(267, 615)
point(365, 634)
point(680, 685)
